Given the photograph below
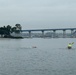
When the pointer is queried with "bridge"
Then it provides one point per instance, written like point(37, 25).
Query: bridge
point(73, 30)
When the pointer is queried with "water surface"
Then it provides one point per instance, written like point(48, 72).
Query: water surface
point(51, 57)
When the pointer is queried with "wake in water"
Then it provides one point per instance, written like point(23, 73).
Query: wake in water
point(28, 47)
point(67, 48)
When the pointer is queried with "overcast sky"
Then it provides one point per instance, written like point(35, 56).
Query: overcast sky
point(35, 14)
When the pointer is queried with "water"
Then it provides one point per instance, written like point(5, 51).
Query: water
point(51, 57)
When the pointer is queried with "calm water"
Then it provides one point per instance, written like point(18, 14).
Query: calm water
point(51, 57)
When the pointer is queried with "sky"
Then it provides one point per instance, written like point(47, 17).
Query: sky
point(38, 14)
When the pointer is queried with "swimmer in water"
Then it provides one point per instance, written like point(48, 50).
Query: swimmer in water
point(70, 45)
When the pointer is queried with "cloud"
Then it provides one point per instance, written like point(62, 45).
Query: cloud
point(42, 12)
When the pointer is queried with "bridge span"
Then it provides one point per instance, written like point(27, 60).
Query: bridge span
point(54, 31)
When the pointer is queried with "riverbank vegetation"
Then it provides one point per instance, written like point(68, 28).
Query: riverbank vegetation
point(5, 31)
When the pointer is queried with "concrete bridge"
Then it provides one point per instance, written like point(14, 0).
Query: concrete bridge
point(54, 31)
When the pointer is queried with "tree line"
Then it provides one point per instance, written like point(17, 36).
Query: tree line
point(7, 30)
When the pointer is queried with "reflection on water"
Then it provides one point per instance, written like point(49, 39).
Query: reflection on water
point(51, 57)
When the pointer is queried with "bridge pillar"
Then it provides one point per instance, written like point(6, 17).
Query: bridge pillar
point(42, 33)
point(54, 33)
point(29, 34)
point(71, 33)
point(64, 33)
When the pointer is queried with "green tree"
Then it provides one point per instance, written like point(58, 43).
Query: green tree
point(18, 28)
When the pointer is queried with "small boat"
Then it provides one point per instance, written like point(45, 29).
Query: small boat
point(69, 47)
